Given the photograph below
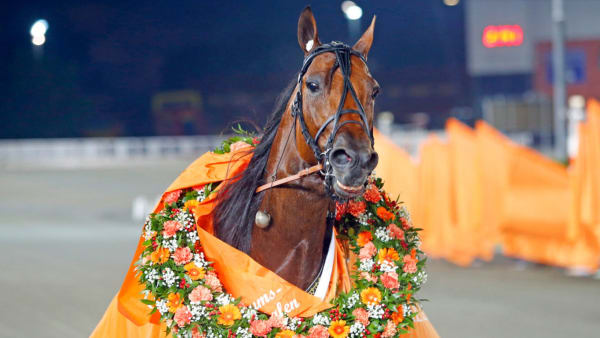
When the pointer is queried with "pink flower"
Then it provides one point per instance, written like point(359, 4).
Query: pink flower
point(368, 277)
point(410, 264)
point(390, 280)
point(367, 251)
point(260, 328)
point(172, 197)
point(213, 282)
point(237, 146)
point(171, 228)
point(361, 315)
point(390, 329)
point(183, 316)
point(318, 331)
point(276, 321)
point(199, 294)
point(182, 256)
point(395, 231)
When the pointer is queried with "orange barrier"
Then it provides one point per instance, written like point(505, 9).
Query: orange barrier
point(478, 190)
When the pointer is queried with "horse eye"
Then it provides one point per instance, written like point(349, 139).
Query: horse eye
point(312, 86)
point(375, 92)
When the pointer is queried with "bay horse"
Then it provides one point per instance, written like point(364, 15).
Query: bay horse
point(323, 119)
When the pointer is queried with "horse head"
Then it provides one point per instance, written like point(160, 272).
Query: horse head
point(336, 94)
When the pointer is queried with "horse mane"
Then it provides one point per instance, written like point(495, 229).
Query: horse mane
point(237, 203)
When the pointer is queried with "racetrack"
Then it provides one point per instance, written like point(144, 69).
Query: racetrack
point(67, 239)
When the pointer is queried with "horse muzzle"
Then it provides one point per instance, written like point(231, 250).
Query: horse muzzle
point(351, 169)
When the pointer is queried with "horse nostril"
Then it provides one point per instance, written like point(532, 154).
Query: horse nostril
point(373, 160)
point(340, 157)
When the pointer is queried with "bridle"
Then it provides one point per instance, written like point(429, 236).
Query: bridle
point(343, 54)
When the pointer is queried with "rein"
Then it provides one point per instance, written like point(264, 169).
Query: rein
point(343, 54)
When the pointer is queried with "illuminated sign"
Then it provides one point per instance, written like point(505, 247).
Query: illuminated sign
point(502, 36)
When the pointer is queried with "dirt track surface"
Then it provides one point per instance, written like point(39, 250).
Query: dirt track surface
point(67, 238)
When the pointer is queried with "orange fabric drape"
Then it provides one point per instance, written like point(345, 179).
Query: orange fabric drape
point(241, 276)
point(478, 190)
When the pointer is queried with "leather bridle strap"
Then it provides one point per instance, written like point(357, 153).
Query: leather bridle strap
point(299, 175)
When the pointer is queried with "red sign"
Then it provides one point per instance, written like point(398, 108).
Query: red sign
point(502, 36)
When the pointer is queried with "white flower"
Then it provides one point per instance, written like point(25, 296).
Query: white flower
point(366, 265)
point(185, 218)
point(201, 196)
point(294, 323)
point(192, 236)
point(248, 312)
point(170, 244)
point(375, 310)
point(320, 319)
point(200, 261)
point(169, 277)
point(243, 333)
point(357, 329)
point(351, 300)
point(224, 299)
point(148, 228)
point(387, 266)
point(162, 307)
point(151, 275)
point(198, 312)
point(382, 234)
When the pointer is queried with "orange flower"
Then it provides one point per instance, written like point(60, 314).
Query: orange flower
point(339, 329)
point(174, 301)
point(372, 194)
point(191, 205)
point(398, 316)
point(160, 255)
point(364, 238)
point(195, 272)
point(229, 314)
point(408, 295)
point(285, 334)
point(370, 296)
point(385, 215)
point(390, 255)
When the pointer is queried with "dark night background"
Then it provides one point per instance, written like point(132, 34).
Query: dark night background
point(103, 61)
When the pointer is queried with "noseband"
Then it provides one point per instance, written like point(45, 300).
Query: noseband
point(343, 55)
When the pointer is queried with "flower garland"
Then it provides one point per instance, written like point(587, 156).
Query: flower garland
point(184, 288)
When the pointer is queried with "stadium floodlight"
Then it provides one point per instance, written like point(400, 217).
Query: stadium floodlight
point(451, 3)
point(38, 40)
point(38, 32)
point(351, 10)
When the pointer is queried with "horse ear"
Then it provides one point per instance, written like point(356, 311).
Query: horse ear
point(366, 40)
point(308, 37)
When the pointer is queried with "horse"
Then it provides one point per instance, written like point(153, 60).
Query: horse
point(319, 141)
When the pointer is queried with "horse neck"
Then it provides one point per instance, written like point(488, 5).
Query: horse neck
point(293, 244)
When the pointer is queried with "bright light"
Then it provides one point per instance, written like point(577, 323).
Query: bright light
point(39, 28)
point(502, 36)
point(451, 2)
point(38, 40)
point(351, 10)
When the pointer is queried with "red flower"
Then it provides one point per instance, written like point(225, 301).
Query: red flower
point(340, 210)
point(255, 141)
point(372, 194)
point(356, 208)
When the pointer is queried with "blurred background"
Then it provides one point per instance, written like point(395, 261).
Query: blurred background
point(488, 131)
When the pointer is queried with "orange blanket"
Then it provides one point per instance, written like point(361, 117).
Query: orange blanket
point(241, 275)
